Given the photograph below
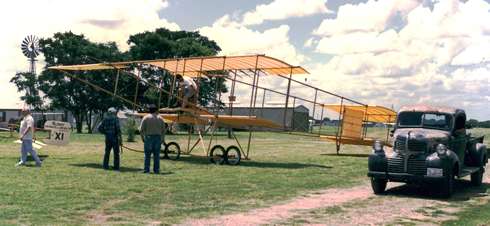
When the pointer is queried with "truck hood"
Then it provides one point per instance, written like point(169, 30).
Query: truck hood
point(431, 137)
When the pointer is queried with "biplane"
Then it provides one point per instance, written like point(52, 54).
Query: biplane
point(258, 80)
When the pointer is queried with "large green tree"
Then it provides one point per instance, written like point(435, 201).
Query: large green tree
point(66, 93)
point(161, 44)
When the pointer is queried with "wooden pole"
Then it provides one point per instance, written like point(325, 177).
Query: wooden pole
point(250, 110)
point(173, 83)
point(136, 89)
point(287, 98)
point(314, 109)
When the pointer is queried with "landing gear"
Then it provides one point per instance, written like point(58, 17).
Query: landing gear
point(172, 151)
point(233, 155)
point(217, 155)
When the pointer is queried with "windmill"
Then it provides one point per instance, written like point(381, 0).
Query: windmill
point(30, 48)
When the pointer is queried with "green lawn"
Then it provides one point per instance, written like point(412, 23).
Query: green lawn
point(475, 215)
point(71, 188)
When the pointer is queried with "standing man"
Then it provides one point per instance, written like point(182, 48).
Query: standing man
point(112, 130)
point(152, 130)
point(26, 135)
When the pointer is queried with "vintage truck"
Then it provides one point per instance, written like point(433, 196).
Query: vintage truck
point(430, 146)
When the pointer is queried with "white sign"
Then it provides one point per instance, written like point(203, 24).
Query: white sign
point(59, 132)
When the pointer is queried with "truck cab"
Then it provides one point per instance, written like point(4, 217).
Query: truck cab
point(430, 145)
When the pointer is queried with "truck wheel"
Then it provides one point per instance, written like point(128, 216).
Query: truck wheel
point(378, 185)
point(172, 151)
point(477, 177)
point(217, 155)
point(447, 186)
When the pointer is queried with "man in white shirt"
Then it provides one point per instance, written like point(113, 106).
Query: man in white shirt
point(188, 91)
point(26, 135)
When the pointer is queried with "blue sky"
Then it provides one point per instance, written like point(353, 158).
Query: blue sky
point(381, 52)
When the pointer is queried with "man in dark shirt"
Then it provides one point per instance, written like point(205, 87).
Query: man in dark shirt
point(112, 130)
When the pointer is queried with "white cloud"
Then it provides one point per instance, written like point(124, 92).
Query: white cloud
point(101, 21)
point(236, 39)
point(359, 42)
point(371, 16)
point(283, 9)
point(425, 60)
point(310, 43)
point(473, 54)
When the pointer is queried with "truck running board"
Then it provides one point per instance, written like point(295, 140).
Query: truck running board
point(468, 170)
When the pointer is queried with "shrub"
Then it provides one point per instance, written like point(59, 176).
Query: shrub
point(130, 129)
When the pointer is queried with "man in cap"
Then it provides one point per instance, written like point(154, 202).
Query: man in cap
point(26, 135)
point(152, 130)
point(111, 128)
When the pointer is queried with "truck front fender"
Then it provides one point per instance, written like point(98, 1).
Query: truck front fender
point(446, 162)
point(377, 162)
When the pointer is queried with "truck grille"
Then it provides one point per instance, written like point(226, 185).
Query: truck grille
point(415, 165)
point(395, 165)
point(413, 145)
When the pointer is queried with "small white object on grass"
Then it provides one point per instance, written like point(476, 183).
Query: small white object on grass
point(36, 144)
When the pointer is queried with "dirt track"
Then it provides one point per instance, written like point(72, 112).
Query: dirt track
point(358, 206)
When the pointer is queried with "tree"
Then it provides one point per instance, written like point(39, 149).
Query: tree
point(472, 122)
point(66, 93)
point(484, 124)
point(161, 44)
point(26, 82)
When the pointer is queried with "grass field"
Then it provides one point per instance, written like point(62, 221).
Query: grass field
point(72, 189)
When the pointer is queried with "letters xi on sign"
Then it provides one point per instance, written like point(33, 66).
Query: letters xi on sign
point(59, 132)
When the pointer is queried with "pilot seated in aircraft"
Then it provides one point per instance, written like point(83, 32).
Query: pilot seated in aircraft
point(187, 91)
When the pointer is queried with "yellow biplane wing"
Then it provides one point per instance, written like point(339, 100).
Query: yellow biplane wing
point(378, 114)
point(200, 117)
point(197, 66)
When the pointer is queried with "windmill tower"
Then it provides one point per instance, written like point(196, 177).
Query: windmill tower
point(30, 48)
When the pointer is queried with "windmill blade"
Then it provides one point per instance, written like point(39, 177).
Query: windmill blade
point(30, 46)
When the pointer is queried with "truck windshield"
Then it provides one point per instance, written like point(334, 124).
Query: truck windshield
point(426, 120)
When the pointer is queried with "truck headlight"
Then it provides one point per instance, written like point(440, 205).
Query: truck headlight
point(441, 149)
point(378, 146)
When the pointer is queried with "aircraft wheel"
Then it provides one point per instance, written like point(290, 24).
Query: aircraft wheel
point(172, 151)
point(217, 155)
point(163, 149)
point(233, 155)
